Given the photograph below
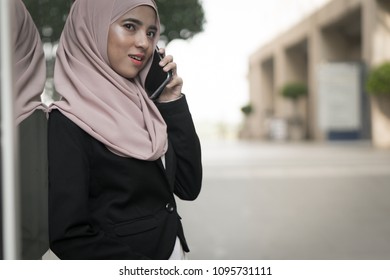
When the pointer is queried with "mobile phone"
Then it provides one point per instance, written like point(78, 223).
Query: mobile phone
point(157, 78)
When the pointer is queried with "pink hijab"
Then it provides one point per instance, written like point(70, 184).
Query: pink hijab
point(30, 65)
point(110, 108)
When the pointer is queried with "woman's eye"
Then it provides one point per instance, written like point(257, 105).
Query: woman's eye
point(129, 26)
point(151, 34)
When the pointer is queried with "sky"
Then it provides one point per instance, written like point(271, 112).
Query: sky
point(214, 64)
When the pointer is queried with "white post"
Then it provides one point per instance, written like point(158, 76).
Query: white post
point(9, 139)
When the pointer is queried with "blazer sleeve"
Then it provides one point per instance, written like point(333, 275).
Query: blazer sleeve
point(186, 146)
point(72, 233)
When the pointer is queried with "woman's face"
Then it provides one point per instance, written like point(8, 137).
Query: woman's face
point(130, 41)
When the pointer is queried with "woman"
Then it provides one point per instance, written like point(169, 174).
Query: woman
point(116, 158)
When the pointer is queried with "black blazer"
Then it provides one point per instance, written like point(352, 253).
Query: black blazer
point(103, 206)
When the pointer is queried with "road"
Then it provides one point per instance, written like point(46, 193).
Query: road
point(290, 201)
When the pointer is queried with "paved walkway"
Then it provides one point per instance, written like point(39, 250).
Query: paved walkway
point(291, 201)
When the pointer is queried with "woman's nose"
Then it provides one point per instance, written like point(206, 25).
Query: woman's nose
point(142, 40)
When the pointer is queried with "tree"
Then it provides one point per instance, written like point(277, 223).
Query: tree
point(294, 91)
point(378, 81)
point(378, 86)
point(180, 19)
point(247, 109)
point(49, 17)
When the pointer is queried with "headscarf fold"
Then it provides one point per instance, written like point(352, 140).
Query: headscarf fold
point(30, 65)
point(112, 109)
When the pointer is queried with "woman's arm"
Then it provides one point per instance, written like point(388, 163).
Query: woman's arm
point(186, 146)
point(181, 133)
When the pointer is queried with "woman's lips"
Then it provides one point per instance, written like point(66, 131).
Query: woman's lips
point(137, 59)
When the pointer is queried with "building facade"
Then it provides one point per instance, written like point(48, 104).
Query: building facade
point(330, 52)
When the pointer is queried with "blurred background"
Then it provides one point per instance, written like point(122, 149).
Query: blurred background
point(291, 101)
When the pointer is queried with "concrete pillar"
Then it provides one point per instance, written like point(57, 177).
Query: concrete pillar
point(254, 127)
point(282, 107)
point(261, 87)
point(376, 50)
point(376, 31)
point(315, 54)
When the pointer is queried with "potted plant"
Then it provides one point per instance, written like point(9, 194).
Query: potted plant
point(295, 91)
point(378, 86)
point(244, 132)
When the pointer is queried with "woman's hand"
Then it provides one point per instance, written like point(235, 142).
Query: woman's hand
point(173, 89)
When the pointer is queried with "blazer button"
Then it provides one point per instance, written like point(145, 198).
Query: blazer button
point(169, 207)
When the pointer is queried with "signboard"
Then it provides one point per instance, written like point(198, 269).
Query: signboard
point(339, 97)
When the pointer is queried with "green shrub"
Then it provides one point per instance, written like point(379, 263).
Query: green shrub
point(294, 90)
point(247, 109)
point(378, 81)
